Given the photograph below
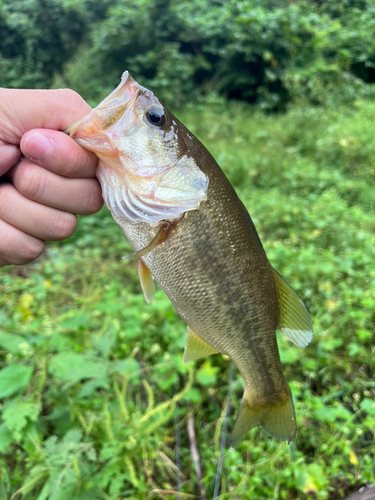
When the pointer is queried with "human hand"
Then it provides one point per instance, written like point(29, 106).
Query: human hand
point(54, 181)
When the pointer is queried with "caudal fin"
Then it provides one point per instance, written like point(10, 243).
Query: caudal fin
point(278, 420)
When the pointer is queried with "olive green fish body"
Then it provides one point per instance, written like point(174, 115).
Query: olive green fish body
point(216, 273)
point(210, 261)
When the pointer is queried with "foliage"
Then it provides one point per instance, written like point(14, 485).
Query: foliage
point(93, 373)
point(268, 52)
point(265, 51)
point(37, 38)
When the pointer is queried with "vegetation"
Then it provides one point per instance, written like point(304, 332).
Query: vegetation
point(91, 377)
point(90, 374)
point(265, 51)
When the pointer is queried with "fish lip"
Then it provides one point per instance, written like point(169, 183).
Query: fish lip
point(127, 81)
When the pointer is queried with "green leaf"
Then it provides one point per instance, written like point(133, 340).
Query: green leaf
point(126, 367)
point(73, 367)
point(36, 476)
point(194, 395)
point(13, 378)
point(5, 437)
point(206, 375)
point(17, 414)
point(310, 478)
point(368, 405)
point(11, 342)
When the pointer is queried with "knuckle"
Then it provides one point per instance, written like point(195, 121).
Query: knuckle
point(94, 200)
point(31, 251)
point(73, 100)
point(31, 182)
point(73, 165)
point(6, 191)
point(64, 226)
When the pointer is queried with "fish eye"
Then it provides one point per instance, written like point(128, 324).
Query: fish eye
point(156, 116)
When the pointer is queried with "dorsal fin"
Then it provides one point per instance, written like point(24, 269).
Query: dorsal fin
point(294, 321)
point(147, 281)
point(196, 347)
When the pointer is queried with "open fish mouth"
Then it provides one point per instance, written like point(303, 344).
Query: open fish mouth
point(108, 111)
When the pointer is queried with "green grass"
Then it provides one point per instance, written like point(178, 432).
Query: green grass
point(88, 370)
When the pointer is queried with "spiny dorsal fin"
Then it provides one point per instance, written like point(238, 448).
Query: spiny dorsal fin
point(147, 281)
point(294, 321)
point(196, 347)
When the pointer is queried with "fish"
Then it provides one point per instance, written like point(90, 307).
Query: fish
point(192, 235)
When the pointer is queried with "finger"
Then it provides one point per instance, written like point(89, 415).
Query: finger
point(28, 109)
point(3, 262)
point(9, 156)
point(78, 196)
point(59, 153)
point(17, 247)
point(34, 218)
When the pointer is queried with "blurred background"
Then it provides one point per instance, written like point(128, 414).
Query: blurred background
point(91, 377)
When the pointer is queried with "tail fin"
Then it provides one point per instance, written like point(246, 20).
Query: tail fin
point(277, 419)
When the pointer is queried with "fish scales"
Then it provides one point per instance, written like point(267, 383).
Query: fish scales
point(213, 279)
point(200, 245)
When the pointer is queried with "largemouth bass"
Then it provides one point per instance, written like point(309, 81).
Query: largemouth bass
point(193, 235)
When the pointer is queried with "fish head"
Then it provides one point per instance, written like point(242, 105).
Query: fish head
point(147, 171)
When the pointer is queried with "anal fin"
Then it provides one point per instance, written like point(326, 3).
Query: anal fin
point(147, 281)
point(196, 347)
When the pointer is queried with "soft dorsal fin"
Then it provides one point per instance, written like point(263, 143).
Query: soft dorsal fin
point(294, 321)
point(147, 281)
point(196, 347)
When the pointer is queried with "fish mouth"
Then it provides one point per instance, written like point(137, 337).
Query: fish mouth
point(90, 131)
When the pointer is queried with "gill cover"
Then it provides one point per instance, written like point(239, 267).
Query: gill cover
point(146, 172)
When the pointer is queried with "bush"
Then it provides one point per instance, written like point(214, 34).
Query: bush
point(37, 38)
point(266, 52)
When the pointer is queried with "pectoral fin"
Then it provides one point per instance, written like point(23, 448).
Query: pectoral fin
point(196, 347)
point(294, 321)
point(164, 232)
point(147, 281)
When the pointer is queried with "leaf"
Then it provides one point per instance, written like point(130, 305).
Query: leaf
point(13, 378)
point(36, 475)
point(206, 375)
point(332, 413)
point(5, 437)
point(78, 321)
point(24, 306)
point(11, 342)
point(126, 367)
point(368, 405)
point(194, 395)
point(18, 413)
point(73, 367)
point(104, 343)
point(310, 478)
point(353, 458)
